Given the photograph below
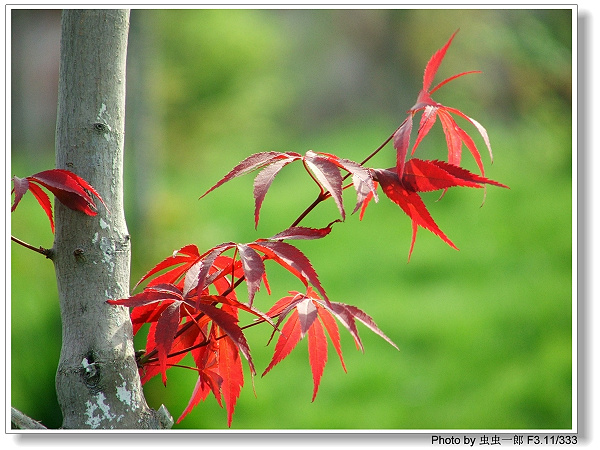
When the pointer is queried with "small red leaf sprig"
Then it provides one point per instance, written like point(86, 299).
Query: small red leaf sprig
point(308, 314)
point(324, 168)
point(70, 189)
point(190, 300)
point(431, 110)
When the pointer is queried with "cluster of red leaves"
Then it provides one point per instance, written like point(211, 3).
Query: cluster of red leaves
point(192, 308)
point(402, 183)
point(71, 190)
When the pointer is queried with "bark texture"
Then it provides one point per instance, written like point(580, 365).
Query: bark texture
point(97, 381)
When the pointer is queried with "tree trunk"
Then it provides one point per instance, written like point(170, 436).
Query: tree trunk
point(97, 380)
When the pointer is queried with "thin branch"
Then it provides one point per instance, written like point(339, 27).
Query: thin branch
point(47, 252)
point(19, 421)
point(378, 149)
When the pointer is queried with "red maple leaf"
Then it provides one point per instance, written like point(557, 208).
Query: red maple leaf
point(209, 379)
point(425, 176)
point(306, 315)
point(324, 168)
point(219, 371)
point(431, 110)
point(70, 189)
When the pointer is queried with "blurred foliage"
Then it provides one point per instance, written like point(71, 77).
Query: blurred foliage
point(485, 334)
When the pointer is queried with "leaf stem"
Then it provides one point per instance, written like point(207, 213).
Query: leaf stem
point(47, 252)
point(312, 206)
point(378, 149)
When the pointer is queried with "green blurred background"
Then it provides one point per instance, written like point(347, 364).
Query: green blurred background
point(485, 333)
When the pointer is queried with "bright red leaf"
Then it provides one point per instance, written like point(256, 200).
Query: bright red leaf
point(230, 368)
point(70, 189)
point(169, 326)
point(220, 371)
point(182, 259)
point(423, 176)
point(306, 314)
point(178, 305)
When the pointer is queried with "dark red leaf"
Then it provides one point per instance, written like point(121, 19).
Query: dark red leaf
point(307, 314)
point(190, 280)
point(254, 269)
point(21, 185)
point(401, 143)
point(328, 176)
point(361, 176)
point(166, 327)
point(67, 187)
point(263, 182)
point(366, 320)
point(190, 338)
point(365, 192)
point(347, 314)
point(199, 280)
point(233, 305)
point(302, 233)
point(254, 162)
point(144, 314)
point(151, 294)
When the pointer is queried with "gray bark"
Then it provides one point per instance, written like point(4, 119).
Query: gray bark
point(97, 380)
